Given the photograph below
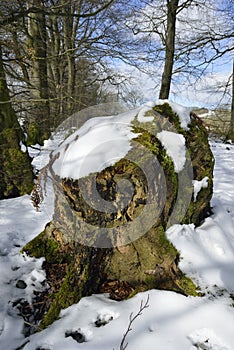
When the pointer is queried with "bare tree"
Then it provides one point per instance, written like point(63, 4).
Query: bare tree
point(48, 45)
point(39, 128)
point(172, 8)
point(230, 134)
point(181, 39)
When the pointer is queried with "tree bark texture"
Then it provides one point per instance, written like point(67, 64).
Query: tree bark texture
point(230, 135)
point(16, 177)
point(172, 6)
point(39, 128)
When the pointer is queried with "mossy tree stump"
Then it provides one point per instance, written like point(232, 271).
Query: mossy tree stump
point(150, 260)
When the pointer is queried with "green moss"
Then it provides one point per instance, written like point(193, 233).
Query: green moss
point(150, 283)
point(164, 246)
point(195, 137)
point(76, 284)
point(166, 111)
point(18, 175)
point(187, 285)
point(33, 134)
point(68, 294)
point(9, 137)
point(51, 316)
point(42, 246)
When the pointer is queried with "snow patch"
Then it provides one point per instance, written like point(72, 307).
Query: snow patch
point(23, 147)
point(182, 112)
point(102, 141)
point(142, 113)
point(175, 148)
point(198, 185)
point(206, 339)
point(99, 143)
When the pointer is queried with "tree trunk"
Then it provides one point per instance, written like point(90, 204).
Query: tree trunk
point(16, 176)
point(56, 72)
point(70, 25)
point(172, 7)
point(230, 135)
point(39, 128)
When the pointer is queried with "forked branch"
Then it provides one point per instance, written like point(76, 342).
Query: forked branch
point(132, 318)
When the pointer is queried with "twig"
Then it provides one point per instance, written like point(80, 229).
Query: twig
point(143, 306)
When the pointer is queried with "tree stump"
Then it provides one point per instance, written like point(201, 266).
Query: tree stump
point(108, 232)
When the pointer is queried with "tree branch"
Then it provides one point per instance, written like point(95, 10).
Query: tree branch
point(13, 17)
point(143, 306)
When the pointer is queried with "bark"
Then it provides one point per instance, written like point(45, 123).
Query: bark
point(69, 41)
point(70, 77)
point(39, 128)
point(172, 6)
point(56, 72)
point(16, 176)
point(230, 135)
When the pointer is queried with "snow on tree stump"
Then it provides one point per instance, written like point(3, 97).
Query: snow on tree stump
point(112, 209)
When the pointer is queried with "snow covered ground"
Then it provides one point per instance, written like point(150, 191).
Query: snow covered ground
point(171, 322)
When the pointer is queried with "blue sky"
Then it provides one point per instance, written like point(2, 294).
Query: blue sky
point(206, 89)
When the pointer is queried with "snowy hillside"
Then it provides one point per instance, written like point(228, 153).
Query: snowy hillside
point(171, 322)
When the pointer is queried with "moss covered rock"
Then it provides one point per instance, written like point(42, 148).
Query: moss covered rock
point(124, 249)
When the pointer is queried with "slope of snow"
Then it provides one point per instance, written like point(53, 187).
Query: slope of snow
point(19, 223)
point(166, 325)
point(171, 322)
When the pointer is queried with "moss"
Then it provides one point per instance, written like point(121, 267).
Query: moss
point(33, 134)
point(151, 261)
point(202, 162)
point(36, 133)
point(68, 294)
point(166, 111)
point(51, 316)
point(42, 246)
point(153, 144)
point(18, 175)
point(187, 285)
point(147, 140)
point(9, 137)
point(149, 283)
point(76, 284)
point(80, 279)
point(164, 246)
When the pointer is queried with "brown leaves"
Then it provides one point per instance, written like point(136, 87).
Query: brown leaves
point(118, 290)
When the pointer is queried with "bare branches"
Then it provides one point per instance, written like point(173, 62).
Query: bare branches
point(132, 318)
point(22, 12)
